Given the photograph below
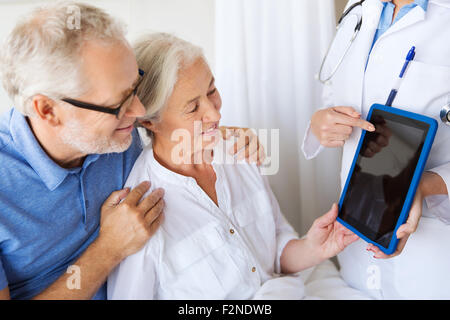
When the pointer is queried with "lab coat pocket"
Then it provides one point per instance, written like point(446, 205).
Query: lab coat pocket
point(424, 88)
point(187, 264)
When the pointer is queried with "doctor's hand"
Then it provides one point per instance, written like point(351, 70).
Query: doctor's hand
point(333, 126)
point(430, 184)
point(327, 237)
point(247, 145)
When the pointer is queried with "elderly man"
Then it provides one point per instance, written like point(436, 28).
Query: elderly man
point(65, 148)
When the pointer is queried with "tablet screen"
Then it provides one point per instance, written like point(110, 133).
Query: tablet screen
point(382, 175)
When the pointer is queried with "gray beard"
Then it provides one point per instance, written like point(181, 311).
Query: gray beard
point(73, 135)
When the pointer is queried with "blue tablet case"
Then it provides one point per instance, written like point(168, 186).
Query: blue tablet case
point(415, 180)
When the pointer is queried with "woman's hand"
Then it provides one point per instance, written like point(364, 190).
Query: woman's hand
point(333, 126)
point(327, 237)
point(248, 141)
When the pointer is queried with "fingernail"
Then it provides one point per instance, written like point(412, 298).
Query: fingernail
point(371, 128)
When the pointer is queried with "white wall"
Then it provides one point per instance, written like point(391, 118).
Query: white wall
point(192, 20)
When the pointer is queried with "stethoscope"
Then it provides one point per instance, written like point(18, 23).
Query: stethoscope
point(355, 33)
point(445, 111)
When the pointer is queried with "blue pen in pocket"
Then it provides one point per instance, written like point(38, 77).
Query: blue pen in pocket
point(409, 57)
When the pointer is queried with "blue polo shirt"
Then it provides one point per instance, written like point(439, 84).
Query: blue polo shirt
point(49, 215)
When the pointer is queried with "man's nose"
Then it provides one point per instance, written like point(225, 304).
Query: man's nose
point(136, 110)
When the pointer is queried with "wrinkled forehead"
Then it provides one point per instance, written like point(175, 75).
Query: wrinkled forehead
point(194, 77)
point(109, 66)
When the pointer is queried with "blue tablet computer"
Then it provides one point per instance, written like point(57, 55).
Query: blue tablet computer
point(385, 174)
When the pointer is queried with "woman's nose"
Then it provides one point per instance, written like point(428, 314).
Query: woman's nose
point(212, 113)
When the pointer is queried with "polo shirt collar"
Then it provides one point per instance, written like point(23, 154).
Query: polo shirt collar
point(26, 143)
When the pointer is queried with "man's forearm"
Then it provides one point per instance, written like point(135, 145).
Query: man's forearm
point(93, 267)
point(298, 256)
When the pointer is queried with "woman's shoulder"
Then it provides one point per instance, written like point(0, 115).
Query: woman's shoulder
point(141, 168)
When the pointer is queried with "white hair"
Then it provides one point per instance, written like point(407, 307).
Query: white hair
point(42, 55)
point(162, 56)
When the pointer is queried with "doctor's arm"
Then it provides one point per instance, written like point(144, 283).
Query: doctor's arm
point(334, 125)
point(331, 125)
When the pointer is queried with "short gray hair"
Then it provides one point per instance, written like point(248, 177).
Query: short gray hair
point(161, 56)
point(42, 55)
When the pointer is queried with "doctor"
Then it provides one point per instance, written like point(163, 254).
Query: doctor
point(365, 76)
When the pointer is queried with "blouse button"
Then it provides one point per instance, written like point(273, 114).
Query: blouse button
point(253, 269)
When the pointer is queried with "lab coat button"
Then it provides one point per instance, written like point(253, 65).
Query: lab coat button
point(231, 231)
point(253, 269)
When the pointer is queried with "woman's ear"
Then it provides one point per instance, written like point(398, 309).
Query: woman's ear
point(147, 124)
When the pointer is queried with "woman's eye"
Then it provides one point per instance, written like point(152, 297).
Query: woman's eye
point(212, 91)
point(194, 109)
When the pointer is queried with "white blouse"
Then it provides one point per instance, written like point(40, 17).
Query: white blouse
point(204, 251)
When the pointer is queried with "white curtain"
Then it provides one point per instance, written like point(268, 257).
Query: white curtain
point(267, 54)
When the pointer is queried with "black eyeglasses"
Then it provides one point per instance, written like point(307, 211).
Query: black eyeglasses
point(119, 111)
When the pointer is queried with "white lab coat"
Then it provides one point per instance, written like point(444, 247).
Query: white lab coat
point(418, 271)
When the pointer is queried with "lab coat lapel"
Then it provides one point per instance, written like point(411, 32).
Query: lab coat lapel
point(415, 15)
point(371, 11)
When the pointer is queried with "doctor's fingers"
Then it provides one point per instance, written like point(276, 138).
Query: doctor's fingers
point(412, 223)
point(348, 111)
point(378, 254)
point(354, 122)
point(334, 136)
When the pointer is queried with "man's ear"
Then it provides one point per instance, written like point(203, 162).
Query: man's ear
point(44, 108)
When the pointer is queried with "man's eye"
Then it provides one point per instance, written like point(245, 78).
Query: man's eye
point(212, 91)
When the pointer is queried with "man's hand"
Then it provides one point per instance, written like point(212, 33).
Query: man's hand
point(333, 126)
point(247, 144)
point(125, 227)
point(327, 237)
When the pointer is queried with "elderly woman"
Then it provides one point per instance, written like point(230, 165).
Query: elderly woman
point(223, 236)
